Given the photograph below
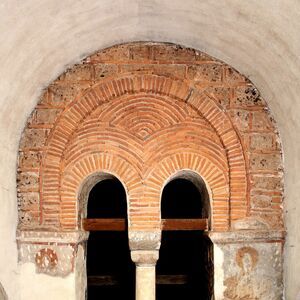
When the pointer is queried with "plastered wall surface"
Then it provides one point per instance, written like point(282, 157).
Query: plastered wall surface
point(47, 287)
point(40, 39)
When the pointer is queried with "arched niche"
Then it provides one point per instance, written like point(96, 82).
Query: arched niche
point(110, 272)
point(185, 267)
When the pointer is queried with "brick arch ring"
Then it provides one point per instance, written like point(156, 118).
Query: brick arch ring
point(85, 103)
point(194, 165)
point(80, 177)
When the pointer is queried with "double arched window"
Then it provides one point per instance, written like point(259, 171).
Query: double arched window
point(184, 269)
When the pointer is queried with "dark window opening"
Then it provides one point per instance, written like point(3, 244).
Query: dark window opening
point(181, 200)
point(110, 271)
point(185, 265)
point(107, 199)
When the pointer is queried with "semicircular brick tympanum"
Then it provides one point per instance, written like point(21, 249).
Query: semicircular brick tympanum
point(120, 130)
point(142, 112)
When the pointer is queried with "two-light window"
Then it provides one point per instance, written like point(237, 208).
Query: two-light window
point(184, 269)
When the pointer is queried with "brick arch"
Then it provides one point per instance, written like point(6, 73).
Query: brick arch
point(216, 179)
point(90, 164)
point(104, 92)
point(79, 109)
point(189, 137)
point(152, 108)
point(92, 137)
point(200, 184)
point(144, 112)
point(235, 154)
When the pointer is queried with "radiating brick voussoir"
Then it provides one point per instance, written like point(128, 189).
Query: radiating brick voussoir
point(79, 109)
point(216, 179)
point(221, 122)
point(76, 173)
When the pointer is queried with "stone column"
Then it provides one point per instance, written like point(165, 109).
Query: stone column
point(145, 273)
point(144, 253)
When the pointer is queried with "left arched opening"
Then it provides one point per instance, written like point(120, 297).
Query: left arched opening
point(110, 271)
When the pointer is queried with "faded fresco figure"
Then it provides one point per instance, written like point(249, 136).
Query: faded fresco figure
point(245, 284)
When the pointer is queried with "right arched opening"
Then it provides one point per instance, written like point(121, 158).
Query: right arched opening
point(185, 266)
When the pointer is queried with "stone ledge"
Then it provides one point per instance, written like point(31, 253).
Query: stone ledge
point(57, 237)
point(247, 236)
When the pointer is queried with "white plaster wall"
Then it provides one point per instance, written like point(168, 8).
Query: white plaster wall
point(39, 286)
point(39, 38)
point(219, 287)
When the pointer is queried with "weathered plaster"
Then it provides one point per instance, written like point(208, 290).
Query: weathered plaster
point(218, 272)
point(39, 39)
point(46, 287)
point(80, 273)
point(54, 253)
point(247, 265)
point(254, 272)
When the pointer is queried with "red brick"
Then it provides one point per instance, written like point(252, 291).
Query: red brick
point(221, 94)
point(105, 70)
point(62, 94)
point(34, 138)
point(246, 96)
point(240, 118)
point(164, 70)
point(233, 77)
point(262, 141)
point(29, 159)
point(125, 113)
point(205, 73)
point(78, 72)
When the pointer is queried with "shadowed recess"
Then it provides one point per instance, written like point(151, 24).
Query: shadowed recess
point(185, 266)
point(110, 270)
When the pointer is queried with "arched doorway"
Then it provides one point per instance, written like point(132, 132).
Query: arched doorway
point(185, 266)
point(110, 271)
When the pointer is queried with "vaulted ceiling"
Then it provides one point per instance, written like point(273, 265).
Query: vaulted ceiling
point(39, 39)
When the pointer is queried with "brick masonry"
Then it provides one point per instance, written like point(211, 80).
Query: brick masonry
point(144, 111)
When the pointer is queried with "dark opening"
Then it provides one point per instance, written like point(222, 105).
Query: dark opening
point(185, 265)
point(181, 200)
point(110, 271)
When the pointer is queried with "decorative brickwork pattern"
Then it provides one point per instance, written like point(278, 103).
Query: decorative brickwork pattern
point(143, 112)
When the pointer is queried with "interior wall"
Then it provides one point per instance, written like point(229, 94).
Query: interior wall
point(47, 287)
point(2, 293)
point(40, 39)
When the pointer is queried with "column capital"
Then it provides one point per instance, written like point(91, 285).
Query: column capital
point(145, 257)
point(144, 240)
